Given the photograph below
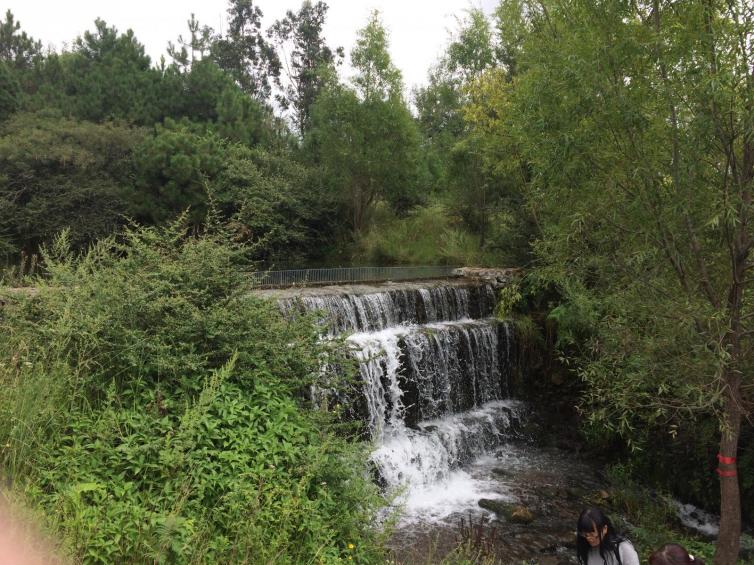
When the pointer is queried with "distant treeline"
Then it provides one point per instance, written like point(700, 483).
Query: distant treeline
point(308, 166)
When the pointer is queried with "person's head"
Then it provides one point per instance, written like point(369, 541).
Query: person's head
point(594, 530)
point(673, 554)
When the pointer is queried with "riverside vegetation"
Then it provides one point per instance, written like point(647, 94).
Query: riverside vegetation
point(151, 407)
point(607, 147)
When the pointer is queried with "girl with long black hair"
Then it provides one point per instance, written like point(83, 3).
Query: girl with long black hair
point(597, 542)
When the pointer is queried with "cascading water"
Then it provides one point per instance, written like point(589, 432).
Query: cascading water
point(435, 367)
point(375, 311)
point(435, 396)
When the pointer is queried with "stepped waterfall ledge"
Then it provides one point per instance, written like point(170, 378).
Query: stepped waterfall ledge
point(435, 368)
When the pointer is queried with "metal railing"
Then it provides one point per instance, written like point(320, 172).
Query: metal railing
point(348, 275)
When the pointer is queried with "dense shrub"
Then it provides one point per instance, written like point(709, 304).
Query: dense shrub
point(151, 407)
point(56, 172)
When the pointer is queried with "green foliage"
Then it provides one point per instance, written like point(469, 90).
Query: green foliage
point(428, 235)
point(242, 119)
point(273, 203)
point(174, 168)
point(195, 48)
point(17, 49)
point(634, 125)
point(368, 150)
point(472, 51)
point(575, 320)
point(441, 123)
point(652, 518)
point(365, 139)
point(10, 92)
point(244, 52)
point(58, 172)
point(508, 299)
point(633, 243)
point(310, 61)
point(149, 406)
point(468, 159)
point(203, 89)
point(377, 77)
point(107, 75)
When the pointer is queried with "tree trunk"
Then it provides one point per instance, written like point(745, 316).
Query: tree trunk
point(729, 539)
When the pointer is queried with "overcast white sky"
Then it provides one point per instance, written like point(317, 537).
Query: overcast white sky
point(418, 28)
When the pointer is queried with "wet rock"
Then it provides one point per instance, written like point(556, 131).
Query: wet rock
point(496, 277)
point(514, 513)
point(500, 472)
point(499, 507)
point(521, 515)
point(573, 493)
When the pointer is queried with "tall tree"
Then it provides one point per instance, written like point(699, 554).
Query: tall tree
point(453, 145)
point(106, 75)
point(17, 49)
point(10, 92)
point(472, 51)
point(377, 77)
point(640, 116)
point(196, 47)
point(365, 138)
point(368, 150)
point(245, 53)
point(307, 61)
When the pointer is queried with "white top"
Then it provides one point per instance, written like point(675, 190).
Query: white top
point(628, 555)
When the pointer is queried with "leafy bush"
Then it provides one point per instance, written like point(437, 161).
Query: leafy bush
point(58, 172)
point(152, 407)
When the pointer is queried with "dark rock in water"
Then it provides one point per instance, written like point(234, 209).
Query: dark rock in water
point(499, 507)
point(573, 493)
point(514, 513)
point(500, 472)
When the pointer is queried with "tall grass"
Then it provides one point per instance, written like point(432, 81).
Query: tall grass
point(152, 409)
point(429, 235)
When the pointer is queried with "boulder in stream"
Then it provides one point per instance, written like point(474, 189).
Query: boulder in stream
point(514, 513)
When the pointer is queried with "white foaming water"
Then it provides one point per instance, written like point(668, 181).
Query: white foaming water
point(379, 359)
point(424, 464)
point(436, 502)
point(697, 519)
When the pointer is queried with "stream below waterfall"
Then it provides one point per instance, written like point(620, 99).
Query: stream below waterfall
point(548, 482)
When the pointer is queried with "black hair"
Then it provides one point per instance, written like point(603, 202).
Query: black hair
point(589, 520)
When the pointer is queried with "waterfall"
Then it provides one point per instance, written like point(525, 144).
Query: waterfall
point(376, 311)
point(434, 368)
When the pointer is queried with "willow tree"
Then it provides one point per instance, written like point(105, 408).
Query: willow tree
point(635, 119)
point(364, 136)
